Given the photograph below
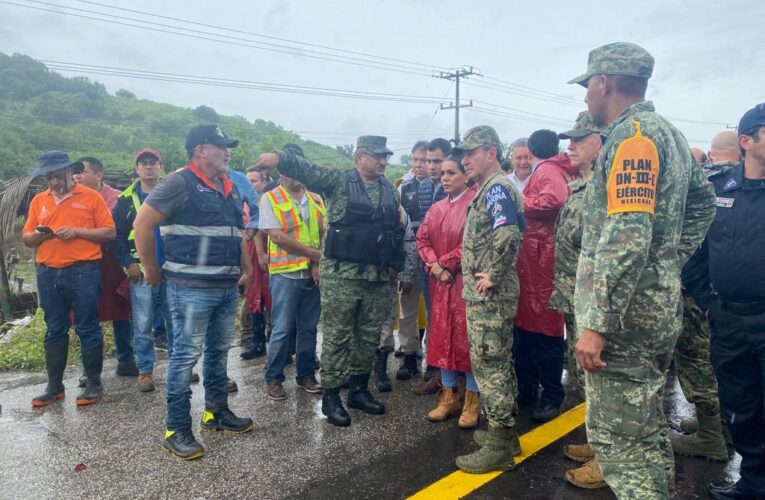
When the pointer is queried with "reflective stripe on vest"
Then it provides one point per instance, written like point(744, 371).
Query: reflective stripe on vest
point(184, 230)
point(205, 270)
point(132, 193)
point(288, 213)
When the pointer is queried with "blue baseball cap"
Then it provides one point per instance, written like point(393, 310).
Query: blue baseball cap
point(752, 120)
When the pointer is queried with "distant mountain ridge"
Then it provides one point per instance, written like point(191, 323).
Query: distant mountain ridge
point(41, 110)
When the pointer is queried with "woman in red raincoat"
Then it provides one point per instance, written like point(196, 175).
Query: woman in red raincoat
point(439, 243)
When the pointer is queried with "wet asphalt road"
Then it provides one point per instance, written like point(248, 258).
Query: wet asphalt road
point(292, 453)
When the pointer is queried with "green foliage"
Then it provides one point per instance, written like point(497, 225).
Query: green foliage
point(24, 351)
point(41, 110)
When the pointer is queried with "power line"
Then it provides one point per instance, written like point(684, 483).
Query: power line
point(480, 109)
point(531, 89)
point(232, 83)
point(268, 37)
point(225, 39)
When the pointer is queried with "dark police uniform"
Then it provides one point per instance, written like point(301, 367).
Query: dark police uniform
point(727, 279)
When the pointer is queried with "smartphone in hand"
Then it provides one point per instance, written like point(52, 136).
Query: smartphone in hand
point(44, 230)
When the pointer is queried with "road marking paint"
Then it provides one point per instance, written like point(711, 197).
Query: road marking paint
point(458, 484)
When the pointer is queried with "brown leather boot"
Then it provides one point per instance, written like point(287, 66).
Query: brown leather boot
point(448, 406)
point(579, 452)
point(587, 476)
point(471, 411)
point(430, 386)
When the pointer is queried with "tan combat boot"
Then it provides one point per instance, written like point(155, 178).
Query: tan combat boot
point(470, 411)
point(448, 406)
point(145, 382)
point(579, 452)
point(707, 442)
point(587, 476)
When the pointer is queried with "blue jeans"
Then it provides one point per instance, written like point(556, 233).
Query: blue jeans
point(449, 379)
point(123, 340)
point(295, 310)
point(203, 320)
point(74, 288)
point(425, 276)
point(146, 303)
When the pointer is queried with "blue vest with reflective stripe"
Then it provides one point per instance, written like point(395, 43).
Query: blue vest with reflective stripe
point(203, 240)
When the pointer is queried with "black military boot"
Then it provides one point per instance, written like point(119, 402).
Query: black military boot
point(332, 407)
point(55, 363)
point(183, 444)
point(380, 369)
point(359, 397)
point(225, 420)
point(92, 363)
point(408, 367)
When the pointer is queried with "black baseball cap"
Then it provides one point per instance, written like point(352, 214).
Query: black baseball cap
point(752, 120)
point(208, 134)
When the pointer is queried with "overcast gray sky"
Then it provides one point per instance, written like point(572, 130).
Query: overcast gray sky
point(708, 70)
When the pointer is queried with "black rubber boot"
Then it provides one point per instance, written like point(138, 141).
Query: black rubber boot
point(332, 407)
point(92, 364)
point(408, 367)
point(380, 369)
point(55, 363)
point(359, 397)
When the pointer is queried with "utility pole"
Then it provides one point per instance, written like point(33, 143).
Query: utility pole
point(456, 75)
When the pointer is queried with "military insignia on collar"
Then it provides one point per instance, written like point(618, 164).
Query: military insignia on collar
point(730, 184)
point(724, 202)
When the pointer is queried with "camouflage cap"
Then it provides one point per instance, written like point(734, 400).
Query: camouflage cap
point(482, 135)
point(583, 127)
point(373, 145)
point(619, 58)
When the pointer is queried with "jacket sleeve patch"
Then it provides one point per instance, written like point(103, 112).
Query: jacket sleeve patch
point(634, 176)
point(500, 207)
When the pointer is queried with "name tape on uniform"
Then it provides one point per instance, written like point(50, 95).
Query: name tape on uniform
point(634, 175)
point(724, 202)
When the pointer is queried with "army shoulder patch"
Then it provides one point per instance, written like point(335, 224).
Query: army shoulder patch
point(634, 175)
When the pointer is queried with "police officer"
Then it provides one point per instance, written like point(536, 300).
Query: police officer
point(646, 209)
point(730, 286)
point(489, 250)
point(363, 254)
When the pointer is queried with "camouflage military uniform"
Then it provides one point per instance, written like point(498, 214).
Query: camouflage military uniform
point(355, 300)
point(407, 276)
point(568, 244)
point(646, 210)
point(490, 316)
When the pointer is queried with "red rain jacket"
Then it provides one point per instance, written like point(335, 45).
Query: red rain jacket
point(544, 195)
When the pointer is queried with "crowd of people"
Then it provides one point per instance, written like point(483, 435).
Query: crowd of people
point(610, 259)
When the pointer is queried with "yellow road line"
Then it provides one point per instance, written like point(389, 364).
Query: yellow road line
point(458, 484)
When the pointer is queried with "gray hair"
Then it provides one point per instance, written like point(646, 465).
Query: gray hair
point(523, 142)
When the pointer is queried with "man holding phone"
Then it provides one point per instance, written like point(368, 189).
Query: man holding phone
point(66, 225)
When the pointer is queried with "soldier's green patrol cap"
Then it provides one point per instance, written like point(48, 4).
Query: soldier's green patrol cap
point(583, 127)
point(619, 58)
point(482, 135)
point(373, 145)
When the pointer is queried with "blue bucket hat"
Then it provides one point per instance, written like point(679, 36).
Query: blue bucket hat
point(50, 162)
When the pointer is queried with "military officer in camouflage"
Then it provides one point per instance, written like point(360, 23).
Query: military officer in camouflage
point(363, 254)
point(489, 250)
point(646, 210)
point(584, 146)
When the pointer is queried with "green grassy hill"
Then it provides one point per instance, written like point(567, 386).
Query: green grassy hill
point(41, 110)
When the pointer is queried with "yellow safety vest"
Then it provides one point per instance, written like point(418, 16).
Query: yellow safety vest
point(288, 214)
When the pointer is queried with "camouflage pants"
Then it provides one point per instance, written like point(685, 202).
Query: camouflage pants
point(386, 331)
point(627, 428)
point(352, 311)
point(692, 362)
point(490, 334)
point(575, 372)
